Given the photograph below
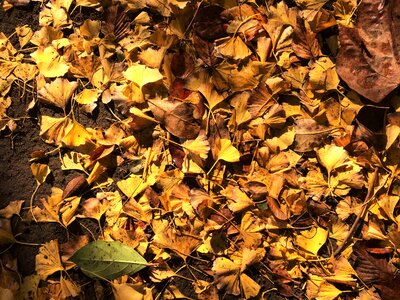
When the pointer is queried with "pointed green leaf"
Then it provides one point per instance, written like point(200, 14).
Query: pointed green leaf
point(109, 260)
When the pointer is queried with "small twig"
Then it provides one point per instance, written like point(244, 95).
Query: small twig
point(361, 215)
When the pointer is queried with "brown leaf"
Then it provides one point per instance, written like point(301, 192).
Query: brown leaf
point(182, 64)
point(179, 118)
point(75, 186)
point(209, 25)
point(305, 44)
point(276, 209)
point(309, 134)
point(368, 59)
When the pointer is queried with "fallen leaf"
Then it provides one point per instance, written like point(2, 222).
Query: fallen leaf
point(48, 260)
point(110, 260)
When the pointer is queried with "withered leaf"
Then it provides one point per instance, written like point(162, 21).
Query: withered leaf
point(305, 44)
point(75, 186)
point(182, 119)
point(368, 59)
point(209, 25)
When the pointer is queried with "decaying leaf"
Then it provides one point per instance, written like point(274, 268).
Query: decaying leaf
point(48, 260)
point(369, 65)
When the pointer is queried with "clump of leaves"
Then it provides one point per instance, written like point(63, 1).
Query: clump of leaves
point(233, 157)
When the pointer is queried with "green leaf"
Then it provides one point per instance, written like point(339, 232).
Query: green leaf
point(108, 260)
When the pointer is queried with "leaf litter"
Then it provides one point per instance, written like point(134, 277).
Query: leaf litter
point(250, 168)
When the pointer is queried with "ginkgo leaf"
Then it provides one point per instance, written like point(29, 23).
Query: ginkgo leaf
point(13, 208)
point(128, 291)
point(234, 48)
point(226, 151)
point(331, 157)
point(76, 136)
point(312, 240)
point(49, 62)
point(229, 277)
point(68, 288)
point(141, 75)
point(132, 186)
point(327, 291)
point(88, 96)
point(40, 171)
point(53, 130)
point(48, 260)
point(200, 146)
point(58, 92)
point(26, 72)
point(25, 34)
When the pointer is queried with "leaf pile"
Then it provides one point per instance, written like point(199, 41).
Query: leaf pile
point(248, 169)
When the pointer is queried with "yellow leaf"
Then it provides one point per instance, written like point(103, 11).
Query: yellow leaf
point(68, 209)
point(281, 142)
point(237, 199)
point(132, 186)
point(166, 236)
point(344, 272)
point(127, 291)
point(327, 291)
point(88, 96)
point(26, 72)
point(72, 161)
point(96, 173)
point(312, 240)
point(53, 130)
point(40, 171)
point(49, 62)
point(142, 75)
point(229, 277)
point(200, 146)
point(226, 151)
point(58, 92)
point(69, 288)
point(24, 34)
point(323, 76)
point(48, 260)
point(76, 136)
point(331, 157)
point(234, 48)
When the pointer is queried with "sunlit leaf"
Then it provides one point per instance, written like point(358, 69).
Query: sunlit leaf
point(108, 259)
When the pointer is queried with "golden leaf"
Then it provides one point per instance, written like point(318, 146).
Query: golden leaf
point(142, 75)
point(40, 171)
point(128, 291)
point(69, 288)
point(25, 34)
point(331, 157)
point(88, 96)
point(229, 277)
point(13, 208)
point(132, 186)
point(49, 62)
point(226, 151)
point(312, 240)
point(26, 72)
point(58, 92)
point(48, 260)
point(234, 48)
point(77, 136)
point(199, 146)
point(53, 130)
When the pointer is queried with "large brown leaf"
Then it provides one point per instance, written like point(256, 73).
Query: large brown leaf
point(368, 60)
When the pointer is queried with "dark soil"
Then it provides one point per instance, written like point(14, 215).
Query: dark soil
point(17, 181)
